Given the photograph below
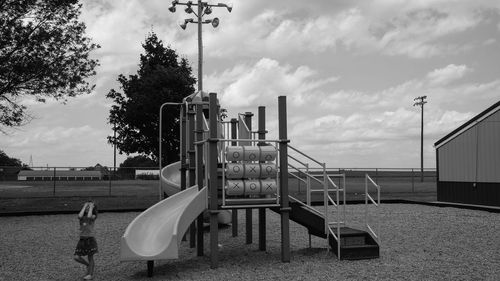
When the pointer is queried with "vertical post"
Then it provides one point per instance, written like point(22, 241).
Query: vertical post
point(421, 102)
point(422, 144)
point(285, 208)
point(109, 178)
point(200, 46)
point(212, 160)
point(183, 139)
point(151, 265)
point(114, 154)
point(234, 212)
point(192, 168)
point(262, 211)
point(248, 212)
point(160, 142)
point(183, 147)
point(54, 191)
point(199, 174)
point(412, 180)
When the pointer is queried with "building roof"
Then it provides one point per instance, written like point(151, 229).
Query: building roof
point(59, 173)
point(472, 122)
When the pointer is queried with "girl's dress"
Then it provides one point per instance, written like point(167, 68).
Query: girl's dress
point(87, 245)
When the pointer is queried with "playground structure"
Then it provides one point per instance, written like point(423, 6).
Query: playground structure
point(234, 167)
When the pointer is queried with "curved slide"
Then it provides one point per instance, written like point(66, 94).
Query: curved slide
point(157, 232)
point(171, 179)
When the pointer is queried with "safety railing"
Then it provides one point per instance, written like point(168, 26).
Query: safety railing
point(325, 179)
point(376, 203)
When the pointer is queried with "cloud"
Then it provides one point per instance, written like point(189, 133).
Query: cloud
point(336, 125)
point(447, 74)
point(61, 146)
point(261, 83)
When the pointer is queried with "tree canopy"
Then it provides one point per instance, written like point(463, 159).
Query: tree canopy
point(5, 160)
point(162, 77)
point(44, 53)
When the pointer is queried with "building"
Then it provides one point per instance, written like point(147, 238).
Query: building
point(468, 161)
point(60, 175)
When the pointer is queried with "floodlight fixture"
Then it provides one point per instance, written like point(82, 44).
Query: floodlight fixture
point(215, 22)
point(208, 10)
point(183, 25)
point(172, 9)
point(229, 7)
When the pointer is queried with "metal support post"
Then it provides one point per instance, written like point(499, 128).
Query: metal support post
point(283, 156)
point(192, 168)
point(212, 160)
point(262, 211)
point(183, 139)
point(234, 212)
point(248, 212)
point(199, 174)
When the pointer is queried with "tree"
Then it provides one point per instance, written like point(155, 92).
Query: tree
point(43, 54)
point(162, 77)
point(127, 168)
point(5, 160)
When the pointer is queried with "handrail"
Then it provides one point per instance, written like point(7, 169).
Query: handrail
point(376, 204)
point(308, 175)
point(297, 160)
point(297, 177)
point(307, 156)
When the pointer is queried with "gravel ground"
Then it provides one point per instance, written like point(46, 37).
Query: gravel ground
point(418, 243)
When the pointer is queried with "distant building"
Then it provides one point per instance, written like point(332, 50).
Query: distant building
point(61, 175)
point(147, 174)
point(468, 161)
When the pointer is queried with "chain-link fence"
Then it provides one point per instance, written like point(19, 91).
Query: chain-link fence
point(16, 182)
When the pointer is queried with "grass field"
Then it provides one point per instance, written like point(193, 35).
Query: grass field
point(418, 243)
point(34, 196)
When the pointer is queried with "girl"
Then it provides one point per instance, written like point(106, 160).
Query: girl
point(87, 245)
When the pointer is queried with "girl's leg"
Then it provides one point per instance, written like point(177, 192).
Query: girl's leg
point(91, 265)
point(81, 260)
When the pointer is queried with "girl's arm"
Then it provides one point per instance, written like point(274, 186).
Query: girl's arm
point(89, 213)
point(80, 215)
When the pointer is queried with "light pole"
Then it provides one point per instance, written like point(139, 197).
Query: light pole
point(204, 8)
point(420, 101)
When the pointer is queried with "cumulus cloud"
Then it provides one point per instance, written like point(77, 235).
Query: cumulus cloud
point(333, 125)
point(447, 74)
point(60, 146)
point(263, 82)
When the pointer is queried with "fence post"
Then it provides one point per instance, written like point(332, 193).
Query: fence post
point(412, 180)
point(54, 191)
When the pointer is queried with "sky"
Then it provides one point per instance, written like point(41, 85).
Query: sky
point(350, 70)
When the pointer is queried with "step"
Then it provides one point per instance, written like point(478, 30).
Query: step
point(355, 244)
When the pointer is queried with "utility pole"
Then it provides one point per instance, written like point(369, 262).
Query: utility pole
point(420, 101)
point(203, 8)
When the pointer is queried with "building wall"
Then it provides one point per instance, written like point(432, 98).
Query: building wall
point(487, 194)
point(469, 165)
point(457, 158)
point(474, 155)
point(488, 164)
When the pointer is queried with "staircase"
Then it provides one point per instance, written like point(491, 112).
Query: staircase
point(354, 244)
point(346, 242)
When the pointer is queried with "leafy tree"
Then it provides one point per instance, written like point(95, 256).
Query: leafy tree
point(127, 168)
point(43, 54)
point(162, 77)
point(5, 160)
